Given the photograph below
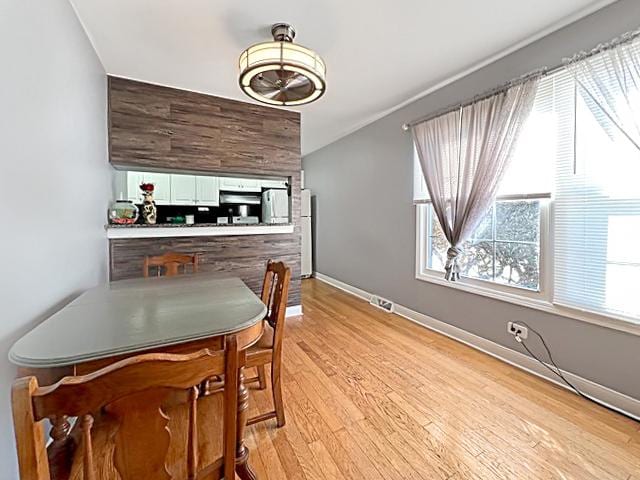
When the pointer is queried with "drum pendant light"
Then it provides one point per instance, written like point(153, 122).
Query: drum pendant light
point(281, 72)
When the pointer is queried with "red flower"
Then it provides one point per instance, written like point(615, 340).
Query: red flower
point(147, 187)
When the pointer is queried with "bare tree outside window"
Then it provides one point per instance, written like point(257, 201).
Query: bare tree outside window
point(505, 248)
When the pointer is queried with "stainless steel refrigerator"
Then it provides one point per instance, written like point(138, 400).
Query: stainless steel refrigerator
point(307, 247)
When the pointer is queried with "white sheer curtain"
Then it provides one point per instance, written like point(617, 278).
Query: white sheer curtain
point(464, 155)
point(609, 82)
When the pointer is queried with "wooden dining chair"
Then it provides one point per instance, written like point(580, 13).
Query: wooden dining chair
point(169, 263)
point(268, 350)
point(132, 393)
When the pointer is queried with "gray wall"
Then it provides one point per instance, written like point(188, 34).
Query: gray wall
point(365, 221)
point(54, 175)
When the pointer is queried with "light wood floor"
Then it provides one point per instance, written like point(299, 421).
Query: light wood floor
point(370, 395)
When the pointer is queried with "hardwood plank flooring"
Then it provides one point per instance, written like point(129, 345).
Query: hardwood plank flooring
point(369, 395)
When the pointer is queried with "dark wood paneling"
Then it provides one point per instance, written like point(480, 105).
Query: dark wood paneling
point(242, 256)
point(166, 129)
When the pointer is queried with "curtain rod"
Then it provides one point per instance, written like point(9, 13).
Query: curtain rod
point(542, 72)
point(483, 96)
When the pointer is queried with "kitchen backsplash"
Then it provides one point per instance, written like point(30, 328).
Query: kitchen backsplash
point(201, 214)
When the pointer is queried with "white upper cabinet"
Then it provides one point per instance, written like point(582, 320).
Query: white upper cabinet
point(273, 183)
point(119, 185)
point(183, 189)
point(180, 189)
point(133, 193)
point(208, 191)
point(232, 184)
point(162, 184)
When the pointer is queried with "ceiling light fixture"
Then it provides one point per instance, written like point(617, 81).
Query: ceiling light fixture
point(281, 72)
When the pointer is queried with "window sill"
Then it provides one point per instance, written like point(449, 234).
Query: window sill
point(535, 302)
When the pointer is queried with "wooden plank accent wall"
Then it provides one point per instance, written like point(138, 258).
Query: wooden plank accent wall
point(242, 256)
point(157, 127)
point(165, 129)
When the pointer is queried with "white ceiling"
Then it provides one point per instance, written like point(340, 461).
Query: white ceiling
point(379, 54)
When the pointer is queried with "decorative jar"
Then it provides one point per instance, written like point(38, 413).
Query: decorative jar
point(123, 212)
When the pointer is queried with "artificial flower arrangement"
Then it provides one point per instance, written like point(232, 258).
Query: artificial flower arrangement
point(149, 211)
point(147, 187)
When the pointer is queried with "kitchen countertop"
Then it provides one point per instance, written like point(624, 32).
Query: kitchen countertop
point(161, 230)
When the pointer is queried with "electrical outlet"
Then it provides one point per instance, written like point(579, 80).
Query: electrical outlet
point(515, 328)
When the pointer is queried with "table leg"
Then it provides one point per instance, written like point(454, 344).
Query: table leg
point(60, 450)
point(242, 452)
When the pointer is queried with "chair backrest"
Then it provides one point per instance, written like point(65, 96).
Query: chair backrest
point(169, 264)
point(275, 293)
point(131, 391)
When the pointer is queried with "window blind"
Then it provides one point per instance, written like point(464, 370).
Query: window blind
point(572, 148)
point(596, 212)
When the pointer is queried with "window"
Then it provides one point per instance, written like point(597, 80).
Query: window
point(571, 149)
point(505, 248)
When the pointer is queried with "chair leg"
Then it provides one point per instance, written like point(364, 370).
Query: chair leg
point(262, 377)
point(276, 388)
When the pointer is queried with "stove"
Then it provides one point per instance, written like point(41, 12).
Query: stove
point(249, 220)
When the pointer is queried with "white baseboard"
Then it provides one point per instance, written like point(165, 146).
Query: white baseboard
point(343, 286)
point(617, 401)
point(293, 311)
